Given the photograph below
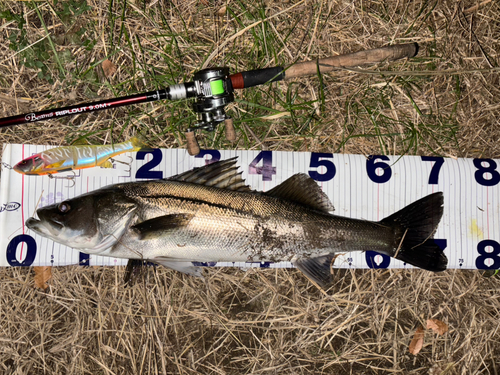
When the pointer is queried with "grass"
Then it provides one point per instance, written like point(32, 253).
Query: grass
point(443, 102)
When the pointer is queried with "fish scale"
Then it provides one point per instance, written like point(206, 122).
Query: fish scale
point(175, 223)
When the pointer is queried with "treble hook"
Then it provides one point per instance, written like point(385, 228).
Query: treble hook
point(72, 178)
point(122, 162)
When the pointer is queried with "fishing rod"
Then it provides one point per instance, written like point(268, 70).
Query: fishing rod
point(213, 89)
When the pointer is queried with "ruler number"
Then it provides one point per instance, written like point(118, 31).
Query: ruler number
point(384, 169)
point(30, 250)
point(214, 156)
point(488, 260)
point(491, 169)
point(145, 171)
point(266, 170)
point(317, 162)
point(436, 167)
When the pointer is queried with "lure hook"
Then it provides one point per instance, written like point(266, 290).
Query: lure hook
point(129, 164)
point(71, 178)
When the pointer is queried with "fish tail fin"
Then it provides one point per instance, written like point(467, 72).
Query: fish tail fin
point(414, 226)
point(139, 142)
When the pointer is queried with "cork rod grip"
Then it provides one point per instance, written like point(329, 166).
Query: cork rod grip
point(372, 56)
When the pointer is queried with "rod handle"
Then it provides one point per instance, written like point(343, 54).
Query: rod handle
point(371, 56)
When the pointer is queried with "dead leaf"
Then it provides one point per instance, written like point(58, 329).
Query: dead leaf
point(418, 341)
point(222, 11)
point(437, 326)
point(42, 275)
point(109, 68)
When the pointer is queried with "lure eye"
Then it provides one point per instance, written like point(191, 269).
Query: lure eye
point(63, 207)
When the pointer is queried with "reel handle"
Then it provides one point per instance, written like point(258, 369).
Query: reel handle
point(192, 146)
point(229, 129)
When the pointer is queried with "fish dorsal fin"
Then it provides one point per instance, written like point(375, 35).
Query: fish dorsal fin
point(221, 174)
point(302, 189)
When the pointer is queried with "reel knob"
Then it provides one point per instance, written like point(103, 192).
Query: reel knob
point(229, 129)
point(193, 148)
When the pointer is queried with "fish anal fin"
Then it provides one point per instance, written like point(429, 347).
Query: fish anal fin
point(302, 189)
point(317, 269)
point(158, 226)
point(181, 266)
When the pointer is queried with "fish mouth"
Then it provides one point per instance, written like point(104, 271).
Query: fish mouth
point(46, 228)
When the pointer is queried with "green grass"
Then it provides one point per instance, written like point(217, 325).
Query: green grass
point(175, 44)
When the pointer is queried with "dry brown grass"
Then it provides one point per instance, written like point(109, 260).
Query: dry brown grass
point(260, 321)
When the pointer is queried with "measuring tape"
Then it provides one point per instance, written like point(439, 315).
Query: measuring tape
point(369, 188)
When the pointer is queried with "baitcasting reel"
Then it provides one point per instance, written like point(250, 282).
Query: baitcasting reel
point(213, 90)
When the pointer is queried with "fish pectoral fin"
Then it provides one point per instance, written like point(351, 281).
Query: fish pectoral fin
point(107, 164)
point(317, 269)
point(160, 225)
point(181, 266)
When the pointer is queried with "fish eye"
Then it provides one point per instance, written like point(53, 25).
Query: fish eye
point(63, 207)
point(24, 162)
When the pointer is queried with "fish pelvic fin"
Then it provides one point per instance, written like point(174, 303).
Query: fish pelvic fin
point(107, 164)
point(414, 226)
point(181, 266)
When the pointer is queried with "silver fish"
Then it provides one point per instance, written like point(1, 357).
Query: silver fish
point(208, 214)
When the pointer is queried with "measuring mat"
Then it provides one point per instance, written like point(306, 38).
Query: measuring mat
point(369, 188)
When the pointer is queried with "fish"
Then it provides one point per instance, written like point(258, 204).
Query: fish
point(67, 158)
point(209, 214)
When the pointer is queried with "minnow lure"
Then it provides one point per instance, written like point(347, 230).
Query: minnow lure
point(67, 158)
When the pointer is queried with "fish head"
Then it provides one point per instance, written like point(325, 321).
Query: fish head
point(32, 165)
point(92, 222)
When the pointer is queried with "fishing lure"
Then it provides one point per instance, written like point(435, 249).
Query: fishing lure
point(67, 158)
